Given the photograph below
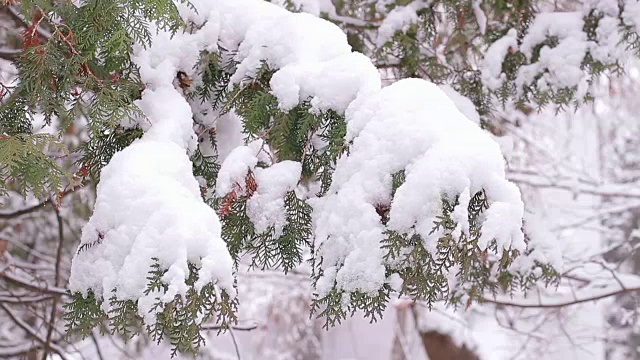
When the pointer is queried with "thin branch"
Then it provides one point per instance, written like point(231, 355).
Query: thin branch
point(611, 190)
point(95, 343)
point(27, 328)
point(559, 304)
point(53, 199)
point(17, 16)
point(13, 299)
point(238, 328)
point(25, 211)
point(235, 343)
point(25, 283)
point(9, 54)
point(56, 283)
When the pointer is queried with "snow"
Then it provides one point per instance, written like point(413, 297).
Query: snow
point(148, 202)
point(351, 75)
point(481, 17)
point(228, 134)
point(446, 321)
point(562, 63)
point(410, 125)
point(149, 205)
point(265, 208)
point(631, 13)
point(313, 7)
point(398, 19)
point(146, 209)
point(234, 169)
point(492, 75)
point(609, 49)
point(604, 7)
point(464, 105)
point(313, 60)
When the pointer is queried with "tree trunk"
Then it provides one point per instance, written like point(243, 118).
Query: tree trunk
point(441, 347)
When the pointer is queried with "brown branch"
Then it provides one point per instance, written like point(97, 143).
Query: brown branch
point(17, 299)
point(15, 14)
point(9, 54)
point(36, 288)
point(24, 211)
point(29, 330)
point(30, 209)
point(56, 283)
point(541, 305)
point(236, 328)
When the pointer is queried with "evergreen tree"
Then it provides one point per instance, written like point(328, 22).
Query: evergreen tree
point(155, 80)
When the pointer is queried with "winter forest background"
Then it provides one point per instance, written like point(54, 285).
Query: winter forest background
point(323, 181)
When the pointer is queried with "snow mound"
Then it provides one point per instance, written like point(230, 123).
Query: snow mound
point(410, 126)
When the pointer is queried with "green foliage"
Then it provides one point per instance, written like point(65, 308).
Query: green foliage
point(427, 270)
point(14, 118)
point(85, 71)
point(216, 77)
point(332, 309)
point(26, 167)
point(83, 313)
point(178, 321)
point(445, 45)
point(103, 143)
point(206, 166)
point(267, 249)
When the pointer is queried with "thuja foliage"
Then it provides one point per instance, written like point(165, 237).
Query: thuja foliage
point(454, 270)
point(448, 40)
point(81, 68)
point(425, 273)
point(27, 164)
point(178, 321)
point(75, 63)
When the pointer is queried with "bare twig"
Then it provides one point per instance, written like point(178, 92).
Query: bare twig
point(238, 328)
point(50, 200)
point(235, 343)
point(95, 343)
point(9, 54)
point(25, 211)
point(559, 304)
point(14, 13)
point(56, 283)
point(53, 290)
point(55, 348)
